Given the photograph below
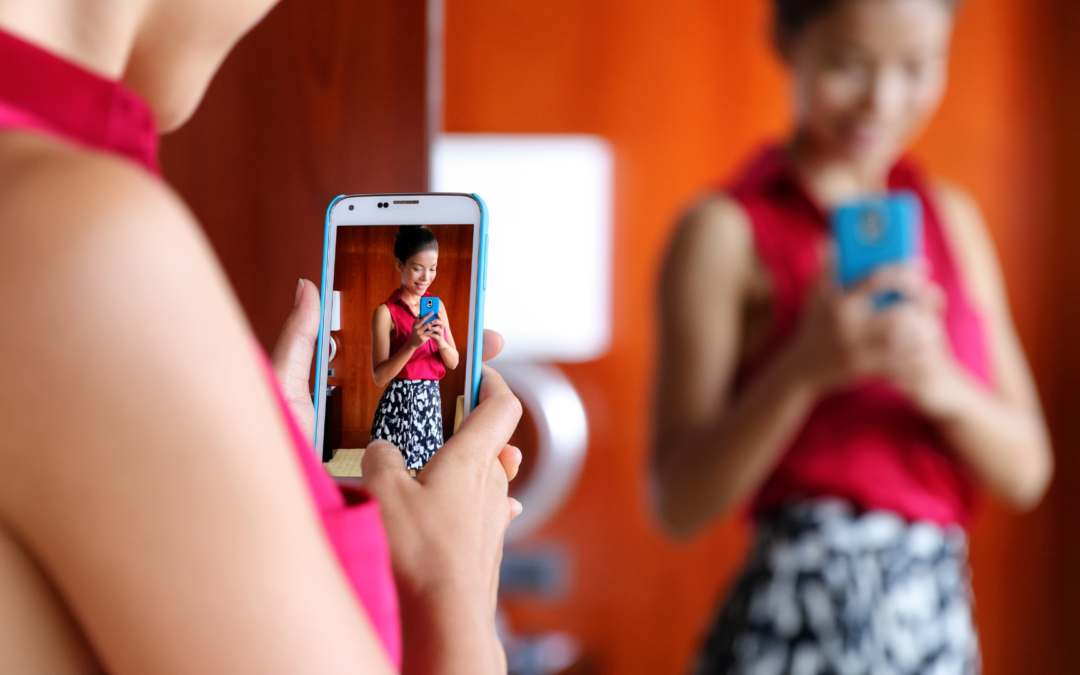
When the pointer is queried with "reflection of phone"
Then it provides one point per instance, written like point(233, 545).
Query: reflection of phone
point(429, 305)
point(359, 264)
point(873, 232)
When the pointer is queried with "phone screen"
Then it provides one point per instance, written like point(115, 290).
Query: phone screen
point(389, 376)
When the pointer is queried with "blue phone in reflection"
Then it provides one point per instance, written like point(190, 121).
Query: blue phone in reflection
point(873, 232)
point(427, 306)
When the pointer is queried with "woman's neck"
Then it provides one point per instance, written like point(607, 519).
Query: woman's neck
point(410, 298)
point(832, 180)
point(96, 35)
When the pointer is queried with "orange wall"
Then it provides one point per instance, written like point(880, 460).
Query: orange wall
point(684, 90)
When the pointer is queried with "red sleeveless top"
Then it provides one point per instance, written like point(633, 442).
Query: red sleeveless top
point(42, 93)
point(426, 362)
point(866, 444)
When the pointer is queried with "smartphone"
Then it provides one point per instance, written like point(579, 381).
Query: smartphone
point(873, 232)
point(429, 305)
point(360, 268)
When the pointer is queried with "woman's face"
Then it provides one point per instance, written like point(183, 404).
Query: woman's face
point(418, 272)
point(869, 75)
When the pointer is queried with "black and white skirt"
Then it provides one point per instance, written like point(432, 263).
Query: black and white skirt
point(830, 592)
point(410, 416)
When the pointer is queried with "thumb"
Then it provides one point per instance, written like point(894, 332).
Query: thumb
point(293, 352)
point(382, 463)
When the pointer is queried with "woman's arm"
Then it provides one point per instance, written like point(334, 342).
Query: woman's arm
point(711, 451)
point(1000, 433)
point(445, 340)
point(161, 495)
point(385, 367)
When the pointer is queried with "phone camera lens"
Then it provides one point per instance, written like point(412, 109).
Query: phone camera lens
point(351, 207)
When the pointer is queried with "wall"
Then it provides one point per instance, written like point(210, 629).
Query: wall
point(685, 89)
point(365, 275)
point(310, 105)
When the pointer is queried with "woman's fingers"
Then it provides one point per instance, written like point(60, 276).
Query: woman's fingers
point(486, 430)
point(493, 344)
point(510, 458)
point(905, 279)
point(292, 355)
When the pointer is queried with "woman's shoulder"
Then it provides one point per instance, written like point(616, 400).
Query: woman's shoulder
point(50, 185)
point(967, 235)
point(960, 215)
point(715, 221)
point(712, 240)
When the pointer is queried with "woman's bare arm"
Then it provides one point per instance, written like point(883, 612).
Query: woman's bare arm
point(145, 463)
point(161, 495)
point(711, 451)
point(384, 366)
point(1000, 433)
point(447, 349)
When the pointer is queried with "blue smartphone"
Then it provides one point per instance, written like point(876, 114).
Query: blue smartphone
point(360, 268)
point(429, 305)
point(873, 232)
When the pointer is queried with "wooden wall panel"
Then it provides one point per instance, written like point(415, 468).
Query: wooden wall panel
point(320, 99)
point(365, 275)
point(685, 90)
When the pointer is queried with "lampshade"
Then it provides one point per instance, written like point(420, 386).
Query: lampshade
point(550, 241)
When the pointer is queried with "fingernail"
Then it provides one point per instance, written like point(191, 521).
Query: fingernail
point(299, 292)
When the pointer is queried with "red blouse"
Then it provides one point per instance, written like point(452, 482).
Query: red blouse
point(867, 443)
point(426, 362)
point(43, 93)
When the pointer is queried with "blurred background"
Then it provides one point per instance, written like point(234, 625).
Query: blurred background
point(351, 96)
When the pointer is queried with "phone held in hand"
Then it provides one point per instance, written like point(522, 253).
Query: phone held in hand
point(429, 305)
point(875, 232)
point(444, 239)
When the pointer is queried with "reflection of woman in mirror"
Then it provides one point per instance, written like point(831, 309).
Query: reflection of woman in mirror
point(861, 438)
point(410, 352)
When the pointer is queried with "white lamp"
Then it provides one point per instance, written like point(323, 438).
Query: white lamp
point(549, 250)
point(549, 282)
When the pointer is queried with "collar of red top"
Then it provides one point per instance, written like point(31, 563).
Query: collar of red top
point(76, 104)
point(774, 169)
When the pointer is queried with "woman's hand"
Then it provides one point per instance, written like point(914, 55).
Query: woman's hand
point(844, 337)
point(446, 531)
point(920, 358)
point(422, 332)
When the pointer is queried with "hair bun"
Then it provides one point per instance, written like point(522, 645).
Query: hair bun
point(412, 239)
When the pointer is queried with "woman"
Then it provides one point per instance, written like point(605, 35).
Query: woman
point(411, 352)
point(160, 510)
point(859, 436)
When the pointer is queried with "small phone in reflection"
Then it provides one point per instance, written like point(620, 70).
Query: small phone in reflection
point(429, 307)
point(390, 259)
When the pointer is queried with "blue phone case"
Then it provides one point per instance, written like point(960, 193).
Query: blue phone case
point(873, 232)
point(478, 323)
point(429, 305)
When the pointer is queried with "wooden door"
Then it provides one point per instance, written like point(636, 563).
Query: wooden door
point(322, 98)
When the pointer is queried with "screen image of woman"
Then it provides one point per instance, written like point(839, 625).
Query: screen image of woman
point(411, 351)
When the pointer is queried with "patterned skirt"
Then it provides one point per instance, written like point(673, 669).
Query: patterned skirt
point(828, 592)
point(409, 415)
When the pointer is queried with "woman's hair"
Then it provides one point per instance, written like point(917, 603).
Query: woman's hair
point(412, 239)
point(792, 16)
